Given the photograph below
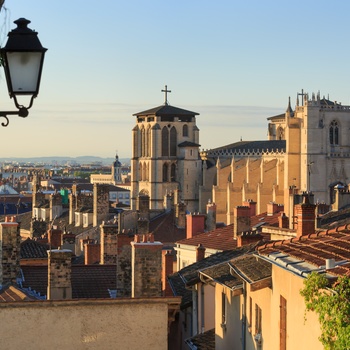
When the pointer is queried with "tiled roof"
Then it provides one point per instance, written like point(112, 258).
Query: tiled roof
point(166, 110)
point(222, 238)
point(203, 341)
point(88, 281)
point(219, 239)
point(31, 249)
point(179, 289)
point(245, 146)
point(11, 293)
point(164, 229)
point(251, 268)
point(222, 274)
point(188, 144)
point(309, 253)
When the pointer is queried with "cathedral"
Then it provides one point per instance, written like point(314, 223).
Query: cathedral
point(307, 150)
point(165, 157)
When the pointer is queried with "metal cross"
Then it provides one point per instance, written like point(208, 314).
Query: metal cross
point(166, 94)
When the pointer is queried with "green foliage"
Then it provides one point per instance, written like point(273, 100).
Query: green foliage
point(333, 308)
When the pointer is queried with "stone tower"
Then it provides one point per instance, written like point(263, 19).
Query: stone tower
point(165, 156)
point(117, 170)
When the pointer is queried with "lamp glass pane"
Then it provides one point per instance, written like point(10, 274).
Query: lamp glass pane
point(24, 70)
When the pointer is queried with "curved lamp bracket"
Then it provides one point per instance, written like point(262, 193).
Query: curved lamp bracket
point(22, 111)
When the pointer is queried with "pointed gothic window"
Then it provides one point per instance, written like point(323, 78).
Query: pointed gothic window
point(173, 141)
point(165, 142)
point(280, 134)
point(173, 173)
point(149, 141)
point(334, 133)
point(165, 172)
point(143, 142)
point(185, 130)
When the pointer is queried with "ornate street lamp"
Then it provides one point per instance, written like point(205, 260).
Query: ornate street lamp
point(22, 59)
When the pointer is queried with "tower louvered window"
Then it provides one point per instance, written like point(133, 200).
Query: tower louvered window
point(165, 142)
point(173, 141)
point(334, 133)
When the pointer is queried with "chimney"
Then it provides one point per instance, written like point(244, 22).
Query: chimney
point(305, 214)
point(124, 264)
point(146, 265)
point(180, 215)
point(92, 252)
point(273, 208)
point(10, 250)
point(245, 238)
point(101, 203)
point(55, 237)
point(241, 220)
point(108, 241)
point(252, 205)
point(283, 221)
point(211, 217)
point(200, 252)
point(167, 269)
point(142, 226)
point(195, 224)
point(59, 274)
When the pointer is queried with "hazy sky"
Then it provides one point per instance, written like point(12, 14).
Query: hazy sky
point(234, 62)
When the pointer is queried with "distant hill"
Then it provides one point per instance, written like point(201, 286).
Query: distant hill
point(64, 160)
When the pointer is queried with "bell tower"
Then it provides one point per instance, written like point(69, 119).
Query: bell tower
point(165, 156)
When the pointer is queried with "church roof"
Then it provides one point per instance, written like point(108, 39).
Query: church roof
point(188, 144)
point(166, 110)
point(245, 146)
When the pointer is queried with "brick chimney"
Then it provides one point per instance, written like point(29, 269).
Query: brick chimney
point(241, 220)
point(124, 263)
point(10, 250)
point(142, 226)
point(167, 269)
point(108, 239)
point(211, 217)
point(245, 238)
point(59, 274)
point(273, 208)
point(283, 221)
point(55, 237)
point(252, 205)
point(195, 224)
point(306, 217)
point(101, 203)
point(180, 215)
point(200, 252)
point(146, 267)
point(92, 252)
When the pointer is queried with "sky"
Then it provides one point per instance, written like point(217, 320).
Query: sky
point(235, 63)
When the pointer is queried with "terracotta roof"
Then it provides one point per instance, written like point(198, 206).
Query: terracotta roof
point(164, 229)
point(219, 239)
point(166, 110)
point(222, 237)
point(88, 281)
point(309, 253)
point(203, 341)
point(11, 293)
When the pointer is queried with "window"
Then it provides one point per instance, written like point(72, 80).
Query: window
point(173, 141)
point(334, 133)
point(185, 130)
point(173, 173)
point(250, 319)
point(165, 172)
point(280, 133)
point(223, 309)
point(258, 317)
point(283, 323)
point(165, 141)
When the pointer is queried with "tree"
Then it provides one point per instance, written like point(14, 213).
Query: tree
point(332, 304)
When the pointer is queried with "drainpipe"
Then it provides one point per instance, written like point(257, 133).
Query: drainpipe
point(244, 318)
point(194, 311)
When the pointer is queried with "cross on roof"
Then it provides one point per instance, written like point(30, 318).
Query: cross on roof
point(166, 94)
